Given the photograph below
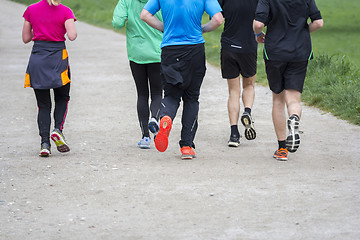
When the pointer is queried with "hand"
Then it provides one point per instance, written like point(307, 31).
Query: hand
point(261, 38)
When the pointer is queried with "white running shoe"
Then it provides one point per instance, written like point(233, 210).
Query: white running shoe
point(144, 143)
point(293, 138)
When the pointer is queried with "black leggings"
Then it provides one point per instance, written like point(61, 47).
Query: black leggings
point(146, 75)
point(61, 96)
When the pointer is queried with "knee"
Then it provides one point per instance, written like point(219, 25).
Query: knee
point(44, 105)
point(249, 83)
point(234, 92)
point(192, 96)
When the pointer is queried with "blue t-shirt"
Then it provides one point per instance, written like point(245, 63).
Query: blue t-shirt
point(182, 19)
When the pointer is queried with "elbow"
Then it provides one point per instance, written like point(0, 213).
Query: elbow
point(72, 36)
point(218, 19)
point(258, 26)
point(117, 25)
point(26, 39)
point(316, 25)
point(144, 15)
point(118, 22)
point(319, 23)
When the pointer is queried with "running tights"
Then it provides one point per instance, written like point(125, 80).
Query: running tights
point(145, 76)
point(43, 98)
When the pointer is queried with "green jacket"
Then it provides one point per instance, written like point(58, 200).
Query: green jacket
point(143, 42)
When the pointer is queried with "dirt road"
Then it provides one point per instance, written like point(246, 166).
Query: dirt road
point(107, 188)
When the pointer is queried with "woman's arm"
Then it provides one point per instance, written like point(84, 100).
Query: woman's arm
point(70, 29)
point(120, 14)
point(27, 33)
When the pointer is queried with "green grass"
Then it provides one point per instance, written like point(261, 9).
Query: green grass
point(341, 31)
point(332, 82)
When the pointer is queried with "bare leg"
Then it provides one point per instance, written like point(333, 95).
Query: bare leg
point(293, 102)
point(278, 115)
point(248, 94)
point(234, 100)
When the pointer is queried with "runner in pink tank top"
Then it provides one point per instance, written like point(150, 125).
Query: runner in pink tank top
point(46, 23)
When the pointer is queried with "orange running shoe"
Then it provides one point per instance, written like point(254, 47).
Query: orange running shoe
point(161, 140)
point(281, 154)
point(187, 153)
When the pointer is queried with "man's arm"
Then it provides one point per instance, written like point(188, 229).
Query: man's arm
point(258, 28)
point(316, 25)
point(214, 23)
point(153, 21)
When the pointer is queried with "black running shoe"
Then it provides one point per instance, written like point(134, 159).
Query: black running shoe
point(153, 126)
point(248, 123)
point(293, 138)
point(234, 141)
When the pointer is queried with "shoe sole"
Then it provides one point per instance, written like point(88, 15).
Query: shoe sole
point(44, 153)
point(161, 140)
point(187, 157)
point(250, 133)
point(60, 142)
point(233, 144)
point(293, 139)
point(144, 147)
point(280, 158)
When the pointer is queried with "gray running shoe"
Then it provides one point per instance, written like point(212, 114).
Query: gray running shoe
point(45, 150)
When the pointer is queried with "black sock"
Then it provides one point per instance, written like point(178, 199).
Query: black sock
point(282, 144)
point(234, 130)
point(248, 110)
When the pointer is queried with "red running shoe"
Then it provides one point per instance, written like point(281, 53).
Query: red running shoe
point(187, 153)
point(161, 140)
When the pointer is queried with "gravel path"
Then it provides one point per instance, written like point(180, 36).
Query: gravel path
point(107, 188)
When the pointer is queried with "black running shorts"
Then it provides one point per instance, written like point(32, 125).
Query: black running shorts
point(233, 64)
point(285, 75)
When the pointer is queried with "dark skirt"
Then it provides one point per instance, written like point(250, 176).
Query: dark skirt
point(48, 66)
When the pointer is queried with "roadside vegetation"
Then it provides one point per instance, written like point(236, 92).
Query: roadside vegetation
point(332, 83)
